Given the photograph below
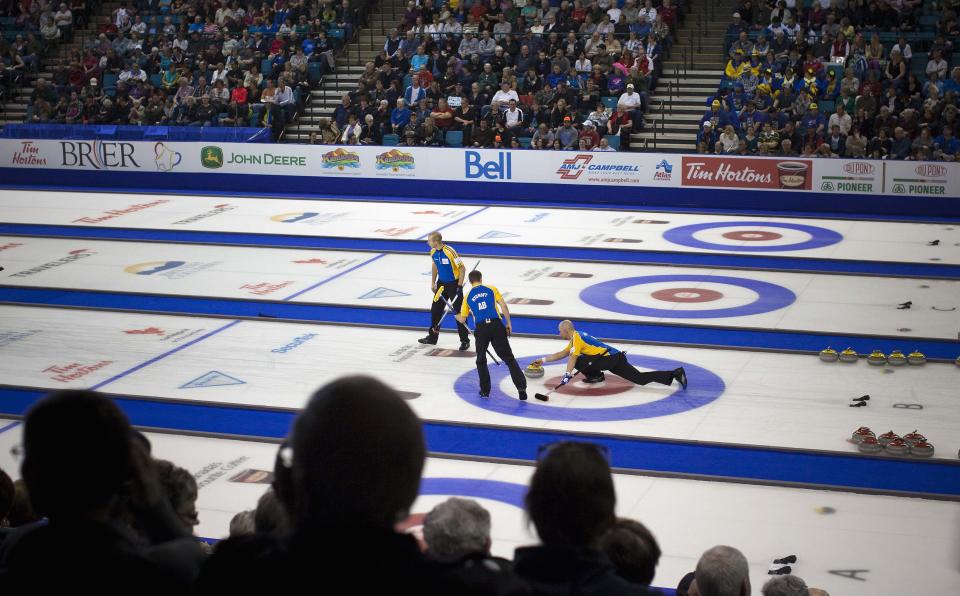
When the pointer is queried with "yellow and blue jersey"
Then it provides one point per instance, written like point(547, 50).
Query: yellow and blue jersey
point(583, 343)
point(448, 263)
point(481, 301)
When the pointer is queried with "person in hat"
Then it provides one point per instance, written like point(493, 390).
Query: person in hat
point(708, 136)
point(734, 66)
point(568, 135)
point(589, 134)
point(814, 120)
point(621, 123)
point(736, 25)
point(717, 115)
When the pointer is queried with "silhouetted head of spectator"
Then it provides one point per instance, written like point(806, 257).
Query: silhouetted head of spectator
point(358, 452)
point(571, 499)
point(7, 495)
point(77, 454)
point(455, 529)
point(723, 571)
point(785, 585)
point(180, 488)
point(633, 550)
point(270, 517)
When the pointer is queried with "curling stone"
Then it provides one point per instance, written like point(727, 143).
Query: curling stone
point(887, 437)
point(848, 355)
point(534, 372)
point(914, 437)
point(921, 449)
point(877, 358)
point(869, 445)
point(830, 355)
point(897, 358)
point(862, 433)
point(916, 358)
point(897, 447)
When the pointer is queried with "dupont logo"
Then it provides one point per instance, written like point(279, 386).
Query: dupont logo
point(931, 170)
point(859, 168)
point(573, 167)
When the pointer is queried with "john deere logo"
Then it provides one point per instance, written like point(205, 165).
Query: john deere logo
point(211, 157)
point(826, 186)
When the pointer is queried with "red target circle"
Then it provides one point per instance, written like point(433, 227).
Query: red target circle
point(611, 385)
point(687, 295)
point(752, 235)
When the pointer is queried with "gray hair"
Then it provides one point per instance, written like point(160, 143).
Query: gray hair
point(242, 524)
point(722, 571)
point(456, 528)
point(785, 585)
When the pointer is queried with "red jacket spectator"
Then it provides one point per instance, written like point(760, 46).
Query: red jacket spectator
point(591, 136)
point(239, 94)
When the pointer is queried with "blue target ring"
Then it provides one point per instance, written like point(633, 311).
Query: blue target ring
point(504, 492)
point(604, 295)
point(819, 237)
point(704, 387)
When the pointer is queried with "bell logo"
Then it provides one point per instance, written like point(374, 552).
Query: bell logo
point(500, 169)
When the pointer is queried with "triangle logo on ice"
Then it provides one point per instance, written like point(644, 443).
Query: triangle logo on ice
point(383, 293)
point(214, 378)
point(498, 234)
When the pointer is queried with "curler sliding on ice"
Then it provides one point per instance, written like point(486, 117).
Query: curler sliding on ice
point(590, 356)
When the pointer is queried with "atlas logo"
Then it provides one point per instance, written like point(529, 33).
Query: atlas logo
point(500, 169)
point(170, 269)
point(573, 167)
point(154, 267)
point(99, 155)
point(312, 218)
point(663, 170)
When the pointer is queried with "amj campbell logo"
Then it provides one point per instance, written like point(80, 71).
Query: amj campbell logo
point(169, 269)
point(165, 157)
point(341, 159)
point(663, 170)
point(395, 160)
point(571, 168)
point(211, 157)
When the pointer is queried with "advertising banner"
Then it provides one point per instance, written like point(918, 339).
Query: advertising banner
point(922, 178)
point(650, 170)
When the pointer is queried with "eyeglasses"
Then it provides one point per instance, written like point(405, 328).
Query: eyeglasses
point(546, 448)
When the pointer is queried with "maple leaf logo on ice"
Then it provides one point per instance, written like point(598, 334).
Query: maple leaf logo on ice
point(147, 331)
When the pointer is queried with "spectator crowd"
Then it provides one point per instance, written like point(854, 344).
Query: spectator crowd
point(94, 509)
point(544, 74)
point(183, 63)
point(838, 78)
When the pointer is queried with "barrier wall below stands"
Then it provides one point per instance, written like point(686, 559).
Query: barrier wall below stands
point(862, 187)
